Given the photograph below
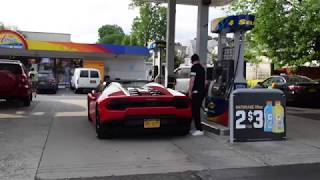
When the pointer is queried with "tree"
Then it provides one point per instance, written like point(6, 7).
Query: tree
point(286, 31)
point(129, 40)
point(151, 23)
point(126, 40)
point(110, 34)
point(3, 26)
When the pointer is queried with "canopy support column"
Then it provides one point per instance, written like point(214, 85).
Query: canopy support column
point(171, 21)
point(202, 31)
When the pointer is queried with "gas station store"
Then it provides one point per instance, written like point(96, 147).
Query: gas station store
point(55, 52)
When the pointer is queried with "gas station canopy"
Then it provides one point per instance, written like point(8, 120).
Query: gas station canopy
point(196, 2)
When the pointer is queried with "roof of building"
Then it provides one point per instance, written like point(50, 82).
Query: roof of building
point(195, 2)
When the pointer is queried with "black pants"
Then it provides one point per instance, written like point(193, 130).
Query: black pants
point(197, 99)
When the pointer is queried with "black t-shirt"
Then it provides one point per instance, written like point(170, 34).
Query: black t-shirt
point(198, 72)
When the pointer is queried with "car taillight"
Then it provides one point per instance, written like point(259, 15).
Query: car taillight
point(296, 88)
point(119, 104)
point(181, 103)
point(23, 81)
point(23, 78)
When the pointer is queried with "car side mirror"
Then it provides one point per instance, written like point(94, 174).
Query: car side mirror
point(93, 92)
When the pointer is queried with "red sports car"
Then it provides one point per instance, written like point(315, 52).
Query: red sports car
point(138, 105)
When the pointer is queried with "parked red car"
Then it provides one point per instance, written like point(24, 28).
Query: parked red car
point(137, 105)
point(14, 82)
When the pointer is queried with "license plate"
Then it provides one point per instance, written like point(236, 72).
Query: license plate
point(93, 81)
point(312, 90)
point(152, 123)
point(42, 83)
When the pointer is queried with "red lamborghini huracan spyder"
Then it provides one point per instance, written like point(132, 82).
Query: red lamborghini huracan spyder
point(140, 106)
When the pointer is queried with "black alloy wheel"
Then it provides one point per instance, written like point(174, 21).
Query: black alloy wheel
point(100, 133)
point(89, 118)
point(27, 101)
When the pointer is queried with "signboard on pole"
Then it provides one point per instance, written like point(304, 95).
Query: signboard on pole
point(257, 114)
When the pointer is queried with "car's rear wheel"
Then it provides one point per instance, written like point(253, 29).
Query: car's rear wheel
point(77, 91)
point(183, 131)
point(101, 134)
point(89, 117)
point(27, 101)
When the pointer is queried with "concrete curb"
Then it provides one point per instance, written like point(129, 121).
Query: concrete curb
point(215, 128)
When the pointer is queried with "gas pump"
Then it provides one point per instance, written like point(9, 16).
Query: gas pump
point(229, 71)
point(158, 50)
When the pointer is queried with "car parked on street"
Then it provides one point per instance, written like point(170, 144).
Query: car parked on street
point(298, 89)
point(85, 79)
point(138, 105)
point(47, 82)
point(14, 82)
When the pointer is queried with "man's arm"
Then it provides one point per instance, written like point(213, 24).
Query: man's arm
point(191, 83)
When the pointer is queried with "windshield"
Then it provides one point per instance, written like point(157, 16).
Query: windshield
point(13, 68)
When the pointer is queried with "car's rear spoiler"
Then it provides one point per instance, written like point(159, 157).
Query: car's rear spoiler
point(125, 81)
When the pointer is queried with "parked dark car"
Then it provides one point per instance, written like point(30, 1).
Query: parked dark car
point(14, 82)
point(298, 89)
point(47, 82)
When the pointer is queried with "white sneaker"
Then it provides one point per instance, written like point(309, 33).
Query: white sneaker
point(197, 133)
point(192, 131)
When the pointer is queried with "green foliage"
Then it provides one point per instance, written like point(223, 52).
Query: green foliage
point(129, 40)
point(1, 26)
point(286, 31)
point(151, 22)
point(110, 34)
point(126, 40)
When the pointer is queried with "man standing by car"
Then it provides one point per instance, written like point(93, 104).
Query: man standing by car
point(197, 92)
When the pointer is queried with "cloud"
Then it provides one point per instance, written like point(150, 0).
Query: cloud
point(82, 18)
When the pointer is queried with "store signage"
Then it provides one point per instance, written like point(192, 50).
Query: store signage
point(12, 39)
point(257, 114)
point(233, 23)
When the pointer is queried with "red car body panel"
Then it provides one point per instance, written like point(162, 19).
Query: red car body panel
point(14, 85)
point(162, 103)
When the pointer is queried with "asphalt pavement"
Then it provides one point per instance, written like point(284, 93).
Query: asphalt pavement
point(52, 139)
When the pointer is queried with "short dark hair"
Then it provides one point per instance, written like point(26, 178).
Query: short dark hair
point(195, 57)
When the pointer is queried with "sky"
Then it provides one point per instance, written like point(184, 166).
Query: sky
point(82, 18)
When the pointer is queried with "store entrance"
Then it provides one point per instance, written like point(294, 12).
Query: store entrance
point(61, 68)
